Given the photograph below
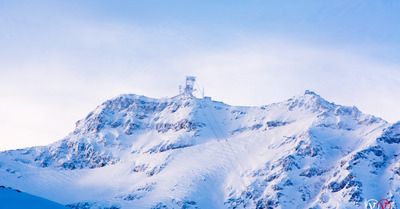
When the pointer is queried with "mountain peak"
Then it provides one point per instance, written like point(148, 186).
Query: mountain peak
point(309, 92)
point(310, 101)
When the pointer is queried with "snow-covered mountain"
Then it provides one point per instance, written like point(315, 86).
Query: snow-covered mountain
point(138, 152)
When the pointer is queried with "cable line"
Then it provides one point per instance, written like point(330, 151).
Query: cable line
point(227, 142)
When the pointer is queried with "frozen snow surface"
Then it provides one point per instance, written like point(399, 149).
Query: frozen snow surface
point(138, 152)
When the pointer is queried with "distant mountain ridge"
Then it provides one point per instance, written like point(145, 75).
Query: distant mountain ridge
point(15, 199)
point(183, 152)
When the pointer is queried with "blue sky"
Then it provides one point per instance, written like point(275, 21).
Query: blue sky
point(60, 59)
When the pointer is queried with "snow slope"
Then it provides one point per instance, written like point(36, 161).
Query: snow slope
point(137, 152)
point(15, 199)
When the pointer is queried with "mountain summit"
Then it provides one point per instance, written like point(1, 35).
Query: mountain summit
point(185, 152)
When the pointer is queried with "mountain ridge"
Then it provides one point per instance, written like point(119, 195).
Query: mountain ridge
point(15, 199)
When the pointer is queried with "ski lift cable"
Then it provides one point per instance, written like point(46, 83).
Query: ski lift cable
point(227, 142)
point(223, 136)
point(230, 146)
point(218, 138)
point(231, 150)
point(220, 141)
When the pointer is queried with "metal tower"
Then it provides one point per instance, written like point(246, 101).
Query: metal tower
point(189, 85)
